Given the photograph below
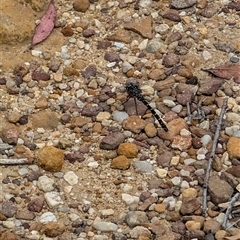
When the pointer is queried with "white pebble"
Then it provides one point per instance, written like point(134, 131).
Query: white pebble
point(233, 130)
point(161, 173)
point(53, 199)
point(206, 139)
point(175, 160)
point(47, 217)
point(107, 212)
point(23, 171)
point(176, 181)
point(169, 103)
point(71, 178)
point(8, 224)
point(143, 44)
point(129, 199)
point(93, 164)
point(184, 184)
point(145, 3)
point(126, 188)
point(185, 133)
point(206, 55)
point(73, 217)
point(177, 109)
point(184, 173)
point(103, 116)
point(162, 28)
point(36, 53)
point(105, 226)
point(147, 90)
point(126, 66)
point(119, 116)
point(45, 183)
point(40, 130)
point(189, 161)
point(171, 201)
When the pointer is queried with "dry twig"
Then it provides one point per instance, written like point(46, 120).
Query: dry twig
point(229, 209)
point(212, 155)
point(13, 161)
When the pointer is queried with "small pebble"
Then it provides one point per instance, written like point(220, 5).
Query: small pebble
point(47, 217)
point(45, 183)
point(71, 178)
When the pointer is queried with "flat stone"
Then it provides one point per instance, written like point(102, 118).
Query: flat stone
point(189, 205)
point(47, 217)
point(36, 204)
point(219, 190)
point(112, 141)
point(25, 215)
point(180, 4)
point(134, 124)
point(71, 178)
point(50, 158)
point(79, 121)
point(45, 183)
point(142, 26)
point(8, 209)
point(136, 218)
point(53, 229)
point(121, 35)
point(44, 119)
point(143, 166)
point(105, 226)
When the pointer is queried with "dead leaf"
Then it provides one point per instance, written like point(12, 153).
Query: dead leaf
point(236, 237)
point(45, 27)
point(226, 71)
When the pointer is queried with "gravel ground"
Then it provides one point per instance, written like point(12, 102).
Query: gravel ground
point(91, 163)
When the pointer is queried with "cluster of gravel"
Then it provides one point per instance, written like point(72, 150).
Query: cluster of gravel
point(99, 166)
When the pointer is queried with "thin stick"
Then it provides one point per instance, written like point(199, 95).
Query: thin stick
point(13, 161)
point(229, 209)
point(5, 146)
point(212, 155)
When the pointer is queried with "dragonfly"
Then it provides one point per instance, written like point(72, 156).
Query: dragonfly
point(134, 91)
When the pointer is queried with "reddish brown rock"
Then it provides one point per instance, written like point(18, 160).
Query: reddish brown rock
point(78, 121)
point(142, 26)
point(189, 205)
point(182, 142)
point(134, 124)
point(219, 190)
point(9, 134)
point(121, 35)
point(112, 141)
point(67, 31)
point(170, 60)
point(40, 75)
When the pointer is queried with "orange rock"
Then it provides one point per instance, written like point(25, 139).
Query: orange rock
point(120, 162)
point(128, 150)
point(233, 147)
point(50, 158)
